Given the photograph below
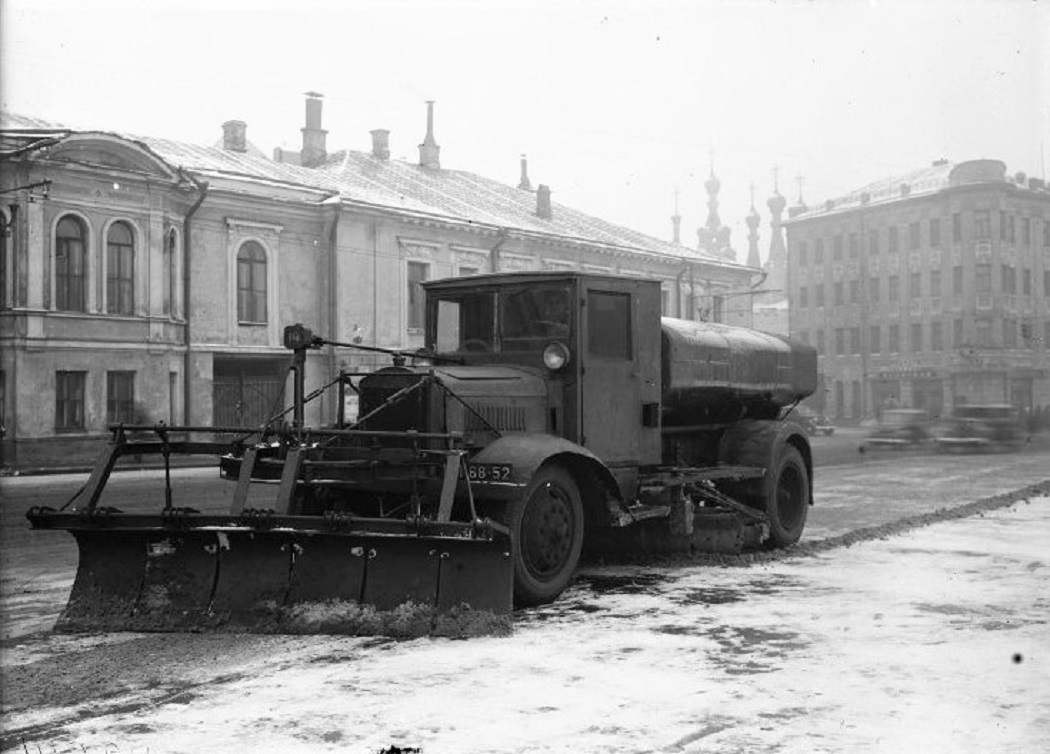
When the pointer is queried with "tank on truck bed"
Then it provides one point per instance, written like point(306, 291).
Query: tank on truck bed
point(547, 411)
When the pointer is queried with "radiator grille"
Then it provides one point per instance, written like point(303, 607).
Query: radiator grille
point(502, 418)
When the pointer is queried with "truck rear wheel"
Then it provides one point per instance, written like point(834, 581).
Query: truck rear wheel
point(787, 498)
point(546, 526)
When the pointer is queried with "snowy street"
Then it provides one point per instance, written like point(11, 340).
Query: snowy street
point(935, 639)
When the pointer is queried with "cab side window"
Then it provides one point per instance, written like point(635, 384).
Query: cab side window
point(609, 324)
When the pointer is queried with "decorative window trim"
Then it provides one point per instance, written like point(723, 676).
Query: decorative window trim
point(516, 263)
point(269, 240)
point(468, 256)
point(418, 250)
point(90, 265)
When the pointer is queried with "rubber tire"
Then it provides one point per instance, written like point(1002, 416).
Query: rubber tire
point(545, 561)
point(787, 498)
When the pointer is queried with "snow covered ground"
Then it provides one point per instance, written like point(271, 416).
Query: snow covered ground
point(937, 640)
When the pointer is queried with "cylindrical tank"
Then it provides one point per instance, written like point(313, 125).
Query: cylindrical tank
point(714, 373)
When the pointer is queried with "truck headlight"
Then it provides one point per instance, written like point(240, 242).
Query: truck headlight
point(555, 356)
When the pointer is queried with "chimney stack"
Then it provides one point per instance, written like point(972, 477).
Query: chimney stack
point(525, 184)
point(233, 138)
point(429, 151)
point(381, 143)
point(543, 202)
point(315, 150)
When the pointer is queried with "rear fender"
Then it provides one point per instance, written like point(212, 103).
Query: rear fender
point(758, 443)
point(527, 453)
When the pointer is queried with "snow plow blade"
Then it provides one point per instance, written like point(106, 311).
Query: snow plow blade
point(287, 574)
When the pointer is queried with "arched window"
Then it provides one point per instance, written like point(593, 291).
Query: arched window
point(170, 243)
point(120, 269)
point(251, 284)
point(70, 265)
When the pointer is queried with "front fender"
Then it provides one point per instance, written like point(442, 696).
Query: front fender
point(526, 453)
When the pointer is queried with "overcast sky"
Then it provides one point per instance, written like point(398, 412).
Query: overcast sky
point(617, 104)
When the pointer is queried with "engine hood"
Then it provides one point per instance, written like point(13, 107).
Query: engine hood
point(507, 398)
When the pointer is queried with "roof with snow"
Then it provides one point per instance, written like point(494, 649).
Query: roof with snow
point(393, 184)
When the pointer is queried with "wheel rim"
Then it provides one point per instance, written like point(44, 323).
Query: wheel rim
point(547, 526)
point(789, 498)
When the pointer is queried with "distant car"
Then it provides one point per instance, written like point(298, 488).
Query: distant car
point(995, 427)
point(899, 428)
point(812, 422)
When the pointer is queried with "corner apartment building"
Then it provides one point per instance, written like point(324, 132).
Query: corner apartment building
point(929, 290)
point(144, 279)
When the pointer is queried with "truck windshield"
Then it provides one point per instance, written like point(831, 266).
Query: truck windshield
point(466, 323)
point(535, 313)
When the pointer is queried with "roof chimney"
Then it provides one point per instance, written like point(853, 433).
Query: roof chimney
point(543, 202)
point(525, 184)
point(429, 151)
point(233, 138)
point(381, 143)
point(315, 150)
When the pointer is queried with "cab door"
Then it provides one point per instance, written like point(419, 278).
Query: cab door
point(620, 365)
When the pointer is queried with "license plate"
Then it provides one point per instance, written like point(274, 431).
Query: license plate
point(490, 472)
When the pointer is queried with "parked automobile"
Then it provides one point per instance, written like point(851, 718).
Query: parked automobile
point(981, 428)
point(899, 428)
point(813, 422)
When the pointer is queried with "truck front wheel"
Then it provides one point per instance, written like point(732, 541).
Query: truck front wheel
point(787, 498)
point(546, 525)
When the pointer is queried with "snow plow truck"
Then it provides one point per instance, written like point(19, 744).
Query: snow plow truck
point(547, 412)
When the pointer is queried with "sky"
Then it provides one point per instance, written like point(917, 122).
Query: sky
point(622, 108)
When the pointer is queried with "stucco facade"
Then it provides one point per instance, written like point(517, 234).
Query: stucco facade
point(150, 280)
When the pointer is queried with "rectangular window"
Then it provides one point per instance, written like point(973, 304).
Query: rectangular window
point(120, 282)
point(836, 248)
point(818, 251)
point(982, 224)
point(1026, 282)
point(957, 333)
point(873, 290)
point(915, 285)
point(894, 239)
point(1009, 333)
point(854, 340)
point(820, 294)
point(1026, 231)
point(803, 297)
point(1011, 229)
point(935, 283)
point(417, 273)
point(803, 254)
point(609, 324)
point(935, 232)
point(854, 246)
point(1046, 233)
point(873, 241)
point(120, 397)
point(1009, 279)
point(839, 299)
point(854, 291)
point(1046, 283)
point(875, 339)
point(466, 272)
point(69, 400)
point(1002, 225)
point(840, 340)
point(913, 236)
point(937, 336)
point(957, 227)
point(665, 303)
point(983, 278)
point(983, 331)
point(894, 288)
point(895, 338)
point(957, 280)
point(916, 338)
